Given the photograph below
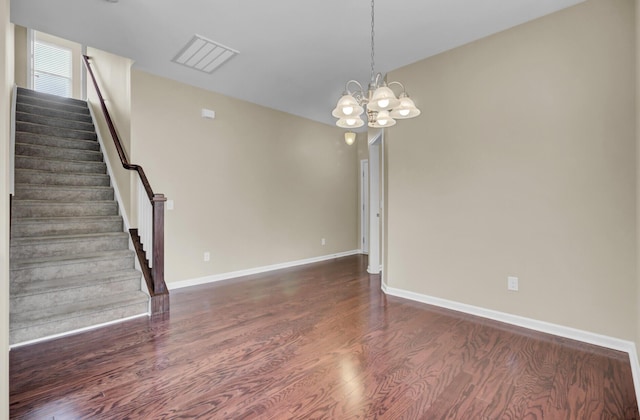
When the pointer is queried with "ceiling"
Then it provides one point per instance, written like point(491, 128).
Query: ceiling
point(294, 55)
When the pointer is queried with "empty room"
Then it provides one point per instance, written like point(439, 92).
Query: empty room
point(342, 209)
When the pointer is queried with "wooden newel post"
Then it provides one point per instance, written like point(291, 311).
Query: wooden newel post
point(157, 271)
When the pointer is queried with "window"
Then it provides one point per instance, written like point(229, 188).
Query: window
point(52, 69)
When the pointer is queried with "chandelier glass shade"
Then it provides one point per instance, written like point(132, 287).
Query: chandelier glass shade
point(348, 112)
point(381, 104)
point(406, 108)
point(349, 137)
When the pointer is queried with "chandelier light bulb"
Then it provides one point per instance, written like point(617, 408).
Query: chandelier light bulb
point(383, 99)
point(383, 118)
point(347, 107)
point(350, 122)
point(406, 109)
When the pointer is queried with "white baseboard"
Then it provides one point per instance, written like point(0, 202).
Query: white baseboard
point(532, 324)
point(233, 274)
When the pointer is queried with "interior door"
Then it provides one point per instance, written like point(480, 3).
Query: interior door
point(364, 206)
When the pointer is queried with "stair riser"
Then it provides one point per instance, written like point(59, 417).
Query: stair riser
point(51, 112)
point(52, 248)
point(55, 131)
point(53, 178)
point(25, 230)
point(74, 269)
point(54, 122)
point(20, 210)
point(42, 140)
point(63, 194)
point(25, 162)
point(21, 335)
point(49, 152)
point(62, 297)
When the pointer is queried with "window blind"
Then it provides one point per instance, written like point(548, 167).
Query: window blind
point(52, 69)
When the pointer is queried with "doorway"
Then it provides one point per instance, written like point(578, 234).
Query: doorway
point(375, 204)
point(364, 206)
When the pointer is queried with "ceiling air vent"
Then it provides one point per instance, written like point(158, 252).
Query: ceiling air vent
point(203, 54)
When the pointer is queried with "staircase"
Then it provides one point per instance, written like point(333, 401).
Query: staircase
point(71, 267)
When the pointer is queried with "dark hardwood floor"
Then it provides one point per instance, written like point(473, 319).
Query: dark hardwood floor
point(318, 341)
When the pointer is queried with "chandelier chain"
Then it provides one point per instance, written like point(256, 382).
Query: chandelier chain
point(372, 43)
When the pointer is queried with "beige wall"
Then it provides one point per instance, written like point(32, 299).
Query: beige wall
point(6, 82)
point(523, 163)
point(254, 187)
point(114, 79)
point(361, 145)
point(21, 55)
point(637, 55)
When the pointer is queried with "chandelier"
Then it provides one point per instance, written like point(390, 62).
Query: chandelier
point(383, 108)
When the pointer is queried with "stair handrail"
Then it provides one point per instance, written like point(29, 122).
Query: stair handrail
point(153, 273)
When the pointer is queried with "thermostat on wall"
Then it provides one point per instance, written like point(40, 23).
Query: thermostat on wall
point(208, 113)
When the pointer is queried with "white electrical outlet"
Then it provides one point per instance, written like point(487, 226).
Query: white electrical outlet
point(323, 241)
point(207, 256)
point(169, 204)
point(512, 283)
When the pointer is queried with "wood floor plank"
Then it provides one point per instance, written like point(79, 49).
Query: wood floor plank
point(318, 341)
